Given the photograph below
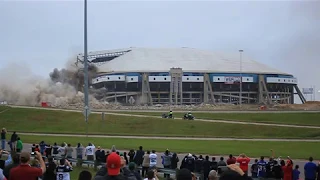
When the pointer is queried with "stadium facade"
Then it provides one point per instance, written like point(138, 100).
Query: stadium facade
point(188, 76)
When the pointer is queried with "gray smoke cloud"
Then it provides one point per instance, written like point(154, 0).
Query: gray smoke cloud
point(19, 86)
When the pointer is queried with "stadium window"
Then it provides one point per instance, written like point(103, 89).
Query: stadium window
point(97, 79)
point(108, 78)
point(279, 80)
point(165, 78)
point(154, 78)
point(284, 80)
point(131, 79)
point(187, 78)
point(247, 79)
point(218, 79)
point(197, 78)
point(119, 78)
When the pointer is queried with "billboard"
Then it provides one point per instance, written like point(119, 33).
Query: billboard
point(307, 90)
point(232, 80)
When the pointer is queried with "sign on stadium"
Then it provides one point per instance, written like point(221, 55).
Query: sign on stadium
point(232, 80)
point(307, 90)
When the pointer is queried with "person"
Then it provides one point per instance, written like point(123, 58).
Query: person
point(166, 161)
point(206, 168)
point(310, 170)
point(90, 149)
point(69, 151)
point(62, 149)
point(50, 173)
point(25, 171)
point(133, 174)
point(296, 173)
point(190, 163)
point(184, 174)
point(318, 171)
point(153, 159)
point(152, 175)
point(42, 146)
point(3, 138)
point(261, 168)
point(287, 170)
point(277, 171)
point(131, 155)
point(114, 164)
point(221, 165)
point(231, 160)
point(234, 172)
point(174, 161)
point(213, 175)
point(55, 150)
point(48, 150)
point(79, 150)
point(243, 160)
point(15, 163)
point(85, 175)
point(13, 141)
point(19, 145)
point(214, 164)
point(170, 114)
point(254, 169)
point(63, 170)
point(138, 158)
point(145, 163)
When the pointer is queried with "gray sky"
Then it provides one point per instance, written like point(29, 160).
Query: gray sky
point(282, 34)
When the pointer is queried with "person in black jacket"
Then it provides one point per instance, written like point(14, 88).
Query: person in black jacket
point(214, 164)
point(277, 172)
point(50, 170)
point(174, 161)
point(206, 168)
point(190, 163)
point(13, 141)
point(131, 154)
point(138, 158)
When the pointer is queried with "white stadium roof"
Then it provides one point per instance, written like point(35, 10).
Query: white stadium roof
point(190, 60)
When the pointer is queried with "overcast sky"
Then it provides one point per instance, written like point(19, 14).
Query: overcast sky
point(282, 34)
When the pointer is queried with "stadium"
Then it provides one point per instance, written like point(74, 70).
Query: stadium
point(188, 76)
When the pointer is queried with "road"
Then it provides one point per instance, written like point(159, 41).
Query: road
point(203, 120)
point(27, 147)
point(172, 138)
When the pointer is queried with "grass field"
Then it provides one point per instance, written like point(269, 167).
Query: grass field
point(251, 148)
point(307, 118)
point(48, 121)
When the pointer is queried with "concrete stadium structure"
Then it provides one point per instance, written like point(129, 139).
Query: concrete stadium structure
point(188, 76)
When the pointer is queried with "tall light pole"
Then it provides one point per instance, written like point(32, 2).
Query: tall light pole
point(240, 98)
point(86, 78)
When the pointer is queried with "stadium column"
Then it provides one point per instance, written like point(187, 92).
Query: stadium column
point(207, 89)
point(146, 94)
point(176, 85)
point(302, 98)
point(263, 91)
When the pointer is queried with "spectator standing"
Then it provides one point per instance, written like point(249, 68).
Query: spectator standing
point(2, 177)
point(90, 150)
point(50, 173)
point(13, 141)
point(131, 155)
point(145, 163)
point(277, 171)
point(79, 150)
point(262, 167)
point(15, 163)
point(296, 173)
point(214, 164)
point(153, 159)
point(138, 158)
point(190, 163)
point(310, 170)
point(63, 170)
point(113, 168)
point(166, 161)
point(174, 161)
point(254, 169)
point(42, 146)
point(206, 168)
point(85, 175)
point(152, 175)
point(25, 171)
point(98, 155)
point(244, 161)
point(231, 160)
point(19, 145)
point(213, 175)
point(133, 174)
point(3, 138)
point(48, 151)
point(69, 151)
point(222, 162)
point(62, 149)
point(287, 170)
point(199, 164)
point(55, 150)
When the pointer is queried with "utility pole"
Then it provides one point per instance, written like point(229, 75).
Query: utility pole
point(240, 98)
point(86, 111)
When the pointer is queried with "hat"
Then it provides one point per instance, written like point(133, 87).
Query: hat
point(213, 173)
point(113, 164)
point(132, 166)
point(25, 157)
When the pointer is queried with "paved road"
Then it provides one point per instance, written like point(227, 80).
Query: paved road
point(27, 147)
point(204, 120)
point(172, 138)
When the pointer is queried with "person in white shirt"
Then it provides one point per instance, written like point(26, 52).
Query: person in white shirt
point(63, 170)
point(153, 159)
point(90, 149)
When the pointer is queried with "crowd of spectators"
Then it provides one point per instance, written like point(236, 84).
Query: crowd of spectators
point(139, 164)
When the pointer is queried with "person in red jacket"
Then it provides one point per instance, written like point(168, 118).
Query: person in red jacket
point(287, 170)
point(231, 160)
point(244, 161)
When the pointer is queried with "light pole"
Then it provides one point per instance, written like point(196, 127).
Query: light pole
point(240, 98)
point(86, 78)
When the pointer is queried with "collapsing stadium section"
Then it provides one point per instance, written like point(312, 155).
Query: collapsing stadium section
point(187, 76)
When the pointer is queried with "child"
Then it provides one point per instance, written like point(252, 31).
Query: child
point(296, 173)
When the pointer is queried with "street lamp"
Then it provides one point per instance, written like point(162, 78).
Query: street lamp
point(86, 83)
point(240, 98)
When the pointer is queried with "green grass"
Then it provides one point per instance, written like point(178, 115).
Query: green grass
point(48, 121)
point(3, 108)
point(252, 148)
point(305, 118)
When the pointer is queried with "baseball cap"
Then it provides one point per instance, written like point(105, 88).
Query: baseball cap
point(113, 164)
point(25, 157)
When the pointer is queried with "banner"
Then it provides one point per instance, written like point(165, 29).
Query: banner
point(307, 90)
point(232, 80)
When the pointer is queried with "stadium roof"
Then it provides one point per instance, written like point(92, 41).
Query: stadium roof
point(190, 60)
